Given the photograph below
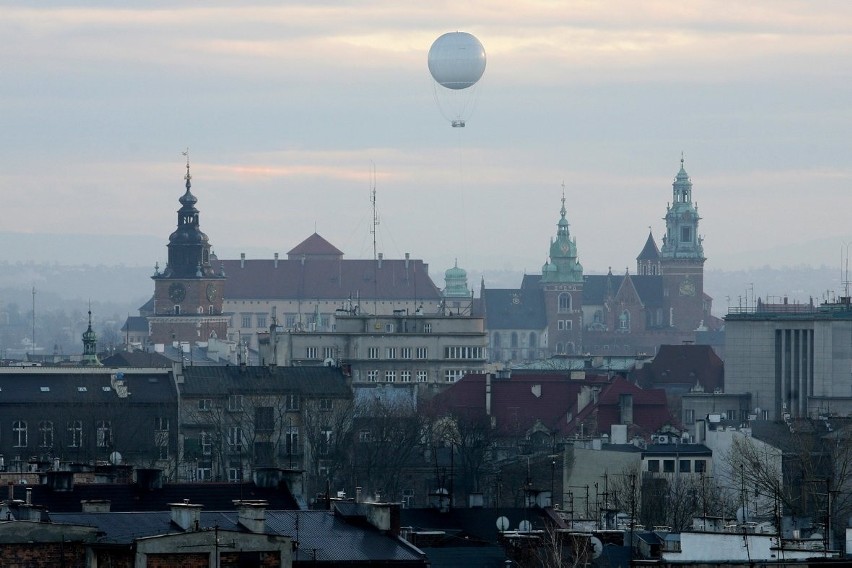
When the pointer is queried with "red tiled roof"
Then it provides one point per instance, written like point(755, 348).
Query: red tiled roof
point(650, 408)
point(684, 365)
point(314, 245)
point(329, 279)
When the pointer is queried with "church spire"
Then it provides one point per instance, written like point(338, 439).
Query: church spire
point(681, 240)
point(563, 265)
point(90, 345)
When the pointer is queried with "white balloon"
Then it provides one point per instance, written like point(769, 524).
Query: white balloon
point(457, 60)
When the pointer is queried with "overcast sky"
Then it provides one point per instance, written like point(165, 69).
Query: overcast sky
point(286, 107)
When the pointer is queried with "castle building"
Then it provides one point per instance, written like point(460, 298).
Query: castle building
point(188, 293)
point(565, 312)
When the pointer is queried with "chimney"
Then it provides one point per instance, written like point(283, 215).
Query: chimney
point(275, 262)
point(186, 516)
point(381, 256)
point(384, 516)
point(252, 515)
point(242, 260)
point(95, 505)
point(406, 260)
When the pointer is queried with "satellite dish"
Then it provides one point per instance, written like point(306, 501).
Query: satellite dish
point(115, 458)
point(597, 546)
point(525, 526)
point(456, 62)
point(502, 524)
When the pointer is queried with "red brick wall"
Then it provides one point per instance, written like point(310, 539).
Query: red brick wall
point(70, 555)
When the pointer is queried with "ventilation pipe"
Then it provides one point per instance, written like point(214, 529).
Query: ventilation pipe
point(242, 260)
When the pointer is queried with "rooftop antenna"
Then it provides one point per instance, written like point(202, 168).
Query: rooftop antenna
point(373, 232)
point(32, 348)
point(373, 205)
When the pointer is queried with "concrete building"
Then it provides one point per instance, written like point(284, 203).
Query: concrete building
point(403, 347)
point(793, 360)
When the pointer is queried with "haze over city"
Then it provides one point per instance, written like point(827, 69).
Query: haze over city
point(288, 107)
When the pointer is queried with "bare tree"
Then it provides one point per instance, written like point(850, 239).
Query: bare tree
point(328, 427)
point(388, 438)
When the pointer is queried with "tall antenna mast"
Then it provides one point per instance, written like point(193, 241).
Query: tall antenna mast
point(33, 345)
point(375, 213)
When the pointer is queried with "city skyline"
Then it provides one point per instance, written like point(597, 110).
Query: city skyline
point(293, 112)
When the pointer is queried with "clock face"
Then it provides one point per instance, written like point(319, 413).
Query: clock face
point(565, 247)
point(211, 292)
point(177, 292)
point(687, 288)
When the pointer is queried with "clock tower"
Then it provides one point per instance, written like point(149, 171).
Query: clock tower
point(682, 258)
point(188, 293)
point(562, 284)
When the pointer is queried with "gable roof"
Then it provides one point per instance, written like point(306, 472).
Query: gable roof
point(597, 287)
point(34, 385)
point(314, 246)
point(685, 365)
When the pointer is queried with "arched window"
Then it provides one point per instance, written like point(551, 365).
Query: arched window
point(564, 302)
point(569, 348)
point(560, 348)
point(624, 321)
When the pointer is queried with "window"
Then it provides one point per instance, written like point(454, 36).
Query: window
point(452, 375)
point(264, 419)
point(685, 466)
point(177, 310)
point(261, 320)
point(325, 404)
point(373, 375)
point(372, 352)
point(206, 441)
point(686, 234)
point(328, 352)
point(161, 424)
point(388, 328)
point(668, 466)
point(390, 353)
point(235, 438)
point(205, 404)
point(624, 321)
point(365, 436)
point(427, 328)
point(464, 352)
point(566, 325)
point(291, 440)
point(235, 402)
point(405, 353)
point(564, 303)
point(311, 353)
point(654, 466)
point(235, 471)
point(246, 320)
point(19, 434)
point(292, 401)
point(689, 415)
point(204, 472)
point(390, 376)
point(325, 440)
point(290, 321)
point(700, 466)
point(75, 433)
point(405, 376)
point(103, 433)
point(422, 352)
point(422, 376)
point(45, 434)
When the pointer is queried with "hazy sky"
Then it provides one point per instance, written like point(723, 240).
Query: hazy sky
point(287, 106)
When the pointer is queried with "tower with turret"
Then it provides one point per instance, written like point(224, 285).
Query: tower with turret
point(562, 286)
point(188, 293)
point(682, 258)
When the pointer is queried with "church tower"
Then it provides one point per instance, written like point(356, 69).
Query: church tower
point(682, 258)
point(90, 346)
point(562, 284)
point(188, 294)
